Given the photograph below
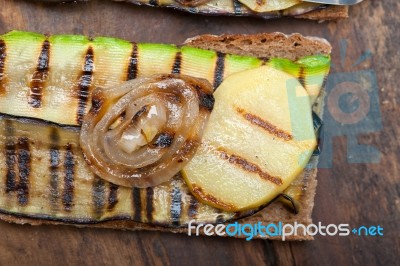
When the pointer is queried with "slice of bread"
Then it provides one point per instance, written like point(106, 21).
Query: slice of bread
point(261, 45)
point(329, 13)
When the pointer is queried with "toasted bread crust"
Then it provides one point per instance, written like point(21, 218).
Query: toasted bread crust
point(329, 13)
point(261, 45)
point(267, 45)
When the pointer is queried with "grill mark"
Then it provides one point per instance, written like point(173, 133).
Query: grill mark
point(237, 9)
point(192, 210)
point(84, 84)
point(18, 159)
point(24, 165)
point(54, 164)
point(98, 196)
point(137, 204)
point(176, 206)
point(69, 169)
point(302, 77)
point(265, 61)
point(112, 196)
point(39, 76)
point(149, 204)
point(270, 128)
point(219, 69)
point(133, 63)
point(176, 68)
point(249, 167)
point(10, 157)
point(3, 56)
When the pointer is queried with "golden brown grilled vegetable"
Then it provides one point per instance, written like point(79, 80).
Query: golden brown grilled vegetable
point(163, 119)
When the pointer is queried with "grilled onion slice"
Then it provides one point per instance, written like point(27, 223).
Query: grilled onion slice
point(142, 133)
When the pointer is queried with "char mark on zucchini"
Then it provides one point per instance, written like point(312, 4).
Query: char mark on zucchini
point(55, 161)
point(133, 63)
point(192, 209)
point(39, 77)
point(24, 168)
point(149, 204)
point(302, 77)
point(98, 196)
point(137, 205)
point(3, 56)
point(176, 205)
point(18, 161)
point(265, 61)
point(69, 172)
point(176, 69)
point(112, 196)
point(10, 157)
point(84, 84)
point(219, 69)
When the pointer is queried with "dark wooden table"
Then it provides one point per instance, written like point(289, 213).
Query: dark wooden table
point(354, 193)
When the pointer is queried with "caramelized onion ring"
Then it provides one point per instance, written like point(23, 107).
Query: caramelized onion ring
point(142, 133)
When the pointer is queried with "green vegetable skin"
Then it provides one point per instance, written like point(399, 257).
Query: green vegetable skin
point(69, 67)
point(51, 78)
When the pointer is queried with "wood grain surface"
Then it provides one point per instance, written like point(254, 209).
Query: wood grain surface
point(354, 193)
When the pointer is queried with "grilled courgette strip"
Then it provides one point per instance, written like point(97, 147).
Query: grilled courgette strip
point(44, 176)
point(52, 78)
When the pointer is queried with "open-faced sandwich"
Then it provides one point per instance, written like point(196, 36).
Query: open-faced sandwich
point(267, 9)
point(109, 133)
